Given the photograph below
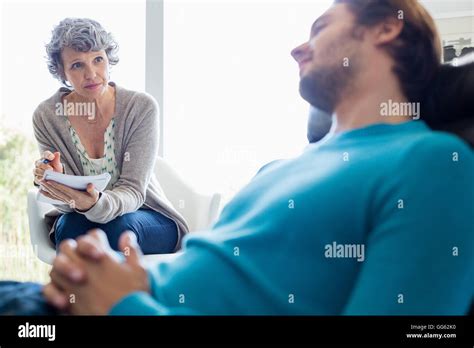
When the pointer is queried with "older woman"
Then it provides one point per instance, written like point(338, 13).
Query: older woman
point(93, 126)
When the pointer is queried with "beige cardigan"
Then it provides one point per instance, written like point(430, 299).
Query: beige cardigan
point(136, 148)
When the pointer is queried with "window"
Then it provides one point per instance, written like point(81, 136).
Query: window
point(25, 82)
point(231, 100)
point(26, 28)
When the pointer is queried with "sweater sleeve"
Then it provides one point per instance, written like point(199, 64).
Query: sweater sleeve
point(420, 252)
point(203, 280)
point(176, 287)
point(44, 144)
point(140, 152)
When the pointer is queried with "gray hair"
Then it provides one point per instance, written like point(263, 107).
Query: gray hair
point(83, 35)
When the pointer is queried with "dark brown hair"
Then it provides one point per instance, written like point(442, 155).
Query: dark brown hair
point(449, 101)
point(417, 50)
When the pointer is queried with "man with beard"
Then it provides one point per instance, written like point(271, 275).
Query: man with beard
point(387, 186)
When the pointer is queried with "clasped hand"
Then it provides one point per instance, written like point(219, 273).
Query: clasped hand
point(88, 277)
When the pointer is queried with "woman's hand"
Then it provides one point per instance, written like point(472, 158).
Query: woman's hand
point(80, 200)
point(54, 164)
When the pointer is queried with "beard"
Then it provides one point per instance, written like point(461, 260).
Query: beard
point(323, 87)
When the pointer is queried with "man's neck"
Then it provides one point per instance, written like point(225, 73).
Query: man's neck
point(371, 105)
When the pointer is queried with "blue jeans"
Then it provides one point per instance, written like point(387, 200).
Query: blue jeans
point(23, 299)
point(156, 234)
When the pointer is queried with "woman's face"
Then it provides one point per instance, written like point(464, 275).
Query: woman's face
point(87, 72)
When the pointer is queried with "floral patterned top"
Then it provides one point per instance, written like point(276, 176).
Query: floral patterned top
point(96, 166)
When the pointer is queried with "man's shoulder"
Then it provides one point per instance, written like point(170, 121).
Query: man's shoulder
point(438, 155)
point(433, 143)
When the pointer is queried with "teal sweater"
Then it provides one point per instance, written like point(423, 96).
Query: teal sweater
point(376, 220)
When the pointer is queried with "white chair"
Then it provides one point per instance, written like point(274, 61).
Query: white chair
point(199, 210)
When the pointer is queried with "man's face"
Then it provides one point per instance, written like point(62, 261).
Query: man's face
point(330, 59)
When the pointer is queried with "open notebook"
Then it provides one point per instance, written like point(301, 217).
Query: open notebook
point(74, 181)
